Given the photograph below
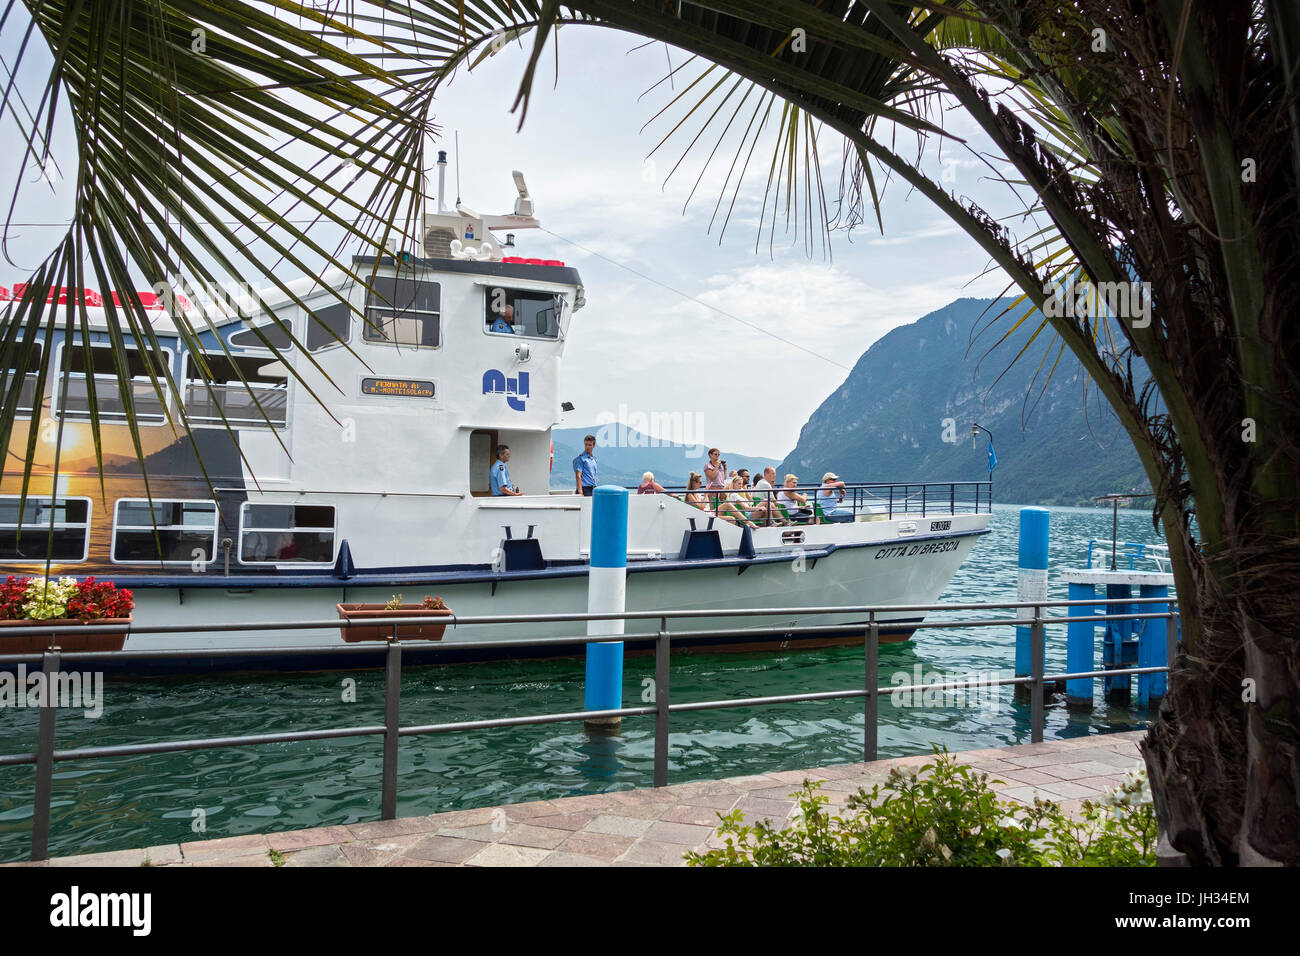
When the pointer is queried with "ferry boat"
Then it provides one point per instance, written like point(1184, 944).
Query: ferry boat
point(366, 475)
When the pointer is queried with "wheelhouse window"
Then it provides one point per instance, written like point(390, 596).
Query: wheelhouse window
point(276, 331)
point(25, 529)
point(145, 368)
point(335, 319)
point(403, 312)
point(521, 312)
point(170, 531)
point(279, 534)
point(264, 400)
point(29, 373)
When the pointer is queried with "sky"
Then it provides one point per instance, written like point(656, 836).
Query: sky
point(738, 345)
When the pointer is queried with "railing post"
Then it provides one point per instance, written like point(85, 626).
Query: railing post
point(891, 502)
point(392, 719)
point(1171, 641)
point(952, 499)
point(923, 489)
point(661, 705)
point(871, 708)
point(1036, 671)
point(45, 759)
point(1151, 649)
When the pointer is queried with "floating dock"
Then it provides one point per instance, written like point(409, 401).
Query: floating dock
point(1124, 643)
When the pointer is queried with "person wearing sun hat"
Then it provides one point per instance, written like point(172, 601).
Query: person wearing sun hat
point(830, 496)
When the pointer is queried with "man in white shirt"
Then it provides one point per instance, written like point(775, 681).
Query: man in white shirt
point(767, 502)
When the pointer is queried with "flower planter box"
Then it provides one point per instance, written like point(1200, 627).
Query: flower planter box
point(33, 641)
point(382, 632)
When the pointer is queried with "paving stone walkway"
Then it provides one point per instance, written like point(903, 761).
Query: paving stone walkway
point(629, 827)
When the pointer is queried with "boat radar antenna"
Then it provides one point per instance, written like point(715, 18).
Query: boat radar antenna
point(524, 204)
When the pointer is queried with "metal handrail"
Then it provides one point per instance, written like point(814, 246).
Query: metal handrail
point(856, 495)
point(391, 730)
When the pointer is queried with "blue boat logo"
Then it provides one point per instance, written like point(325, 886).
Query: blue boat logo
point(514, 389)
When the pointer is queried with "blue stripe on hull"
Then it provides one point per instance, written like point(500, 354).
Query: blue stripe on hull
point(472, 574)
point(413, 656)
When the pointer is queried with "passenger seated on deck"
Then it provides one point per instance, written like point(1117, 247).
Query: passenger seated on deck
point(830, 497)
point(693, 496)
point(648, 485)
point(735, 509)
point(767, 510)
point(795, 504)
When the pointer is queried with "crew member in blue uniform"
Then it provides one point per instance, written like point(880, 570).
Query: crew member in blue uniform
point(500, 474)
point(504, 322)
point(584, 468)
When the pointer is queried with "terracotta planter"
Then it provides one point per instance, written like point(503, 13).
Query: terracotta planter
point(37, 641)
point(382, 632)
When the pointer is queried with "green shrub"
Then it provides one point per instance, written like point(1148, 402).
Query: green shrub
point(944, 814)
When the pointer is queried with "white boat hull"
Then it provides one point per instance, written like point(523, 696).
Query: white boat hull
point(876, 574)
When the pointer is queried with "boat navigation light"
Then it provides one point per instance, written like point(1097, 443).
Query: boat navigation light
point(510, 240)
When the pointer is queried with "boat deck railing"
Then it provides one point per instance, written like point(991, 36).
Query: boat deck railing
point(1129, 552)
point(856, 501)
point(1033, 615)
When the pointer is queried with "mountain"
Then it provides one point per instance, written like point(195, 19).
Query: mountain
point(624, 454)
point(905, 411)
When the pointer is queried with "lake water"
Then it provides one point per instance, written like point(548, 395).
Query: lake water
point(129, 802)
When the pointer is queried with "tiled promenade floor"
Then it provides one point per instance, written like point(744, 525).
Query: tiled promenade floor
point(629, 827)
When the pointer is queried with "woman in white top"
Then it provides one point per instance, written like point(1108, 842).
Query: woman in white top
point(735, 508)
point(796, 505)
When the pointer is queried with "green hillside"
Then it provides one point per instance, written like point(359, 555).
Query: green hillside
point(922, 385)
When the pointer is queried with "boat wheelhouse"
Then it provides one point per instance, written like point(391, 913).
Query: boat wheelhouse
point(365, 474)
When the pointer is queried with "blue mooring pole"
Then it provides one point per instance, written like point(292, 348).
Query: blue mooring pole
point(606, 591)
point(1032, 581)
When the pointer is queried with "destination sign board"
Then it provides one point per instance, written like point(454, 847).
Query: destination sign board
point(397, 387)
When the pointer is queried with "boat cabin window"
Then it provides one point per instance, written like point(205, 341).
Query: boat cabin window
point(267, 383)
point(70, 537)
point(403, 312)
point(278, 534)
point(275, 333)
point(335, 318)
point(145, 369)
point(520, 312)
point(27, 395)
point(170, 532)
